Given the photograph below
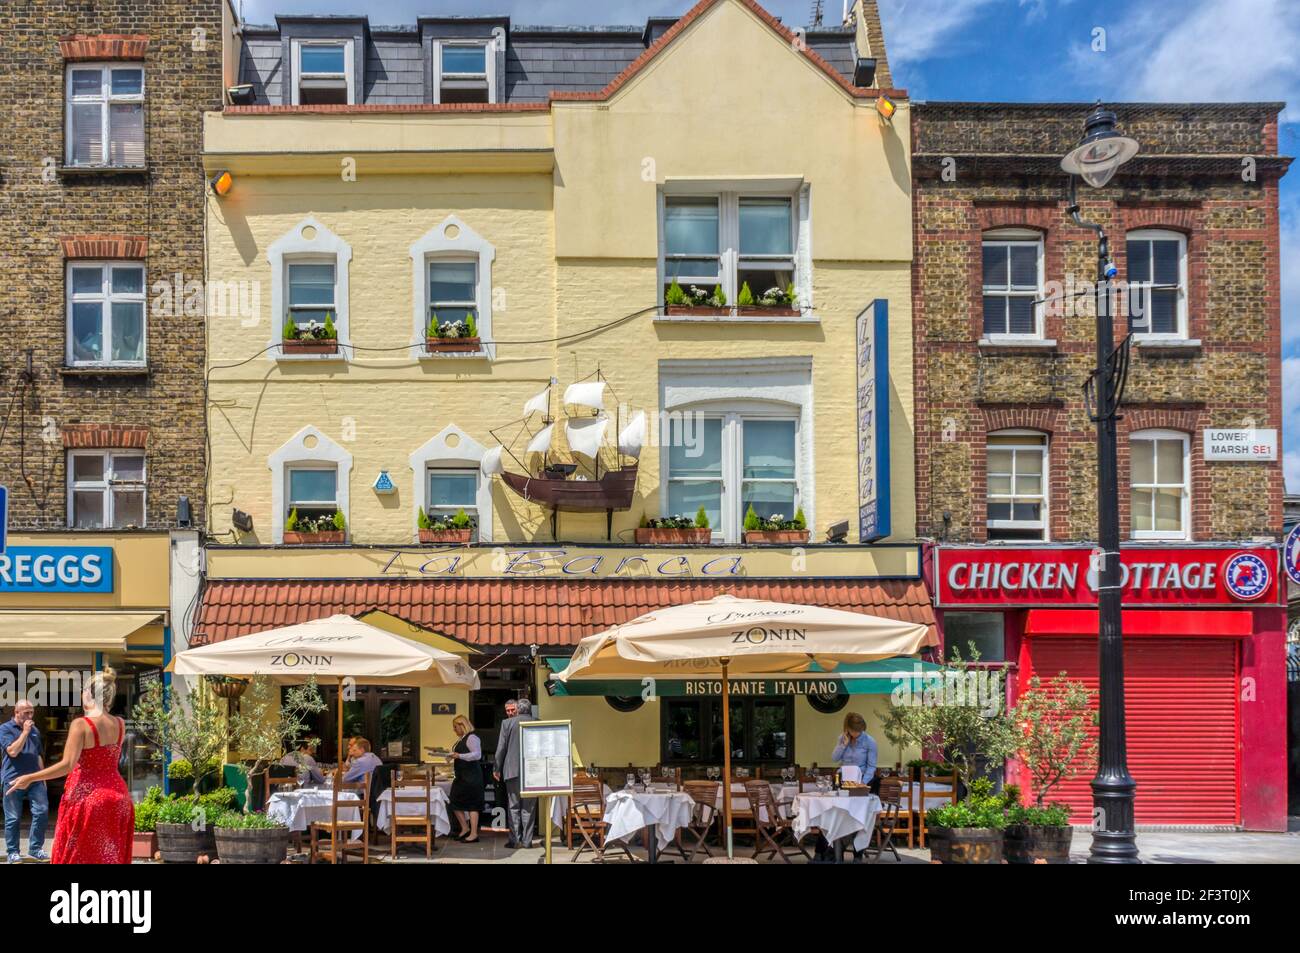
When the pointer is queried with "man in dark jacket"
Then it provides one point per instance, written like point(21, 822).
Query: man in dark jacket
point(523, 811)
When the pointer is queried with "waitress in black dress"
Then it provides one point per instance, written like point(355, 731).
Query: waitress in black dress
point(467, 784)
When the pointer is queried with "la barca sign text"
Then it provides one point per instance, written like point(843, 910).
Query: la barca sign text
point(1219, 576)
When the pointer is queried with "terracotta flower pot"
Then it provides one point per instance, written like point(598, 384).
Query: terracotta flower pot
point(696, 310)
point(777, 537)
point(311, 346)
point(453, 345)
point(776, 311)
point(446, 535)
point(669, 536)
point(144, 844)
point(312, 539)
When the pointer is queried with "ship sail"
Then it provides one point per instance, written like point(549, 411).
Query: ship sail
point(542, 442)
point(632, 439)
point(586, 394)
point(491, 462)
point(585, 436)
point(539, 403)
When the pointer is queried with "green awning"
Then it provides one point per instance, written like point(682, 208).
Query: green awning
point(862, 678)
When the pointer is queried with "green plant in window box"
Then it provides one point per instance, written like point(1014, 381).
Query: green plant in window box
point(454, 528)
point(422, 519)
point(677, 529)
point(775, 528)
point(701, 519)
point(675, 297)
point(471, 325)
point(746, 297)
point(339, 523)
point(329, 332)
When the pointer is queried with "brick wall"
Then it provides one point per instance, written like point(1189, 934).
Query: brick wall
point(978, 167)
point(48, 216)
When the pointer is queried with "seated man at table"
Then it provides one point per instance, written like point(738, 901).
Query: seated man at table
point(303, 758)
point(361, 760)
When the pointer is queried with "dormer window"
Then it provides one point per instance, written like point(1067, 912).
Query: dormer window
point(464, 72)
point(322, 73)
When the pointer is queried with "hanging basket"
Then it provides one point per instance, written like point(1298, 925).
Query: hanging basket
point(227, 686)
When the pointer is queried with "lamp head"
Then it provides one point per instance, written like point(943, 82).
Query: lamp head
point(1101, 151)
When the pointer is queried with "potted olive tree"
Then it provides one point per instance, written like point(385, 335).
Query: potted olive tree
point(960, 711)
point(193, 729)
point(145, 842)
point(1056, 743)
point(678, 530)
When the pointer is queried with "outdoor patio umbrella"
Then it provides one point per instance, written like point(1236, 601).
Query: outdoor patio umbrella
point(339, 647)
point(726, 636)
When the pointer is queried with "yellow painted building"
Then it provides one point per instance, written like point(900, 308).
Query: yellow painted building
point(551, 183)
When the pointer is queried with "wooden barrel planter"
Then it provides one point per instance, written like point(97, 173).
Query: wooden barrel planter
point(182, 844)
point(1027, 844)
point(253, 846)
point(965, 845)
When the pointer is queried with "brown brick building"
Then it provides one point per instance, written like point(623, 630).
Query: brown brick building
point(101, 255)
point(1006, 458)
point(1005, 333)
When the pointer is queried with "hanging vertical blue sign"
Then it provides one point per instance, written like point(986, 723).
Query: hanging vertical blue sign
point(873, 422)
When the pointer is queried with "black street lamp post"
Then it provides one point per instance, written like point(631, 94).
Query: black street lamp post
point(1101, 151)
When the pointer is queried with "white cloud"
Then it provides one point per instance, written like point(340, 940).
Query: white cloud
point(918, 29)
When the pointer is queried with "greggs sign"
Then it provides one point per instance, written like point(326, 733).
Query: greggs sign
point(997, 576)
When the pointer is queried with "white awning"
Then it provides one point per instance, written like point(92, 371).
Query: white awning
point(83, 630)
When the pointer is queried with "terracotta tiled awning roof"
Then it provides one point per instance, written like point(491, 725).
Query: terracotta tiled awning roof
point(495, 612)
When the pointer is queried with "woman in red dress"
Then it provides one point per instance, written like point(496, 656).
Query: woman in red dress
point(96, 816)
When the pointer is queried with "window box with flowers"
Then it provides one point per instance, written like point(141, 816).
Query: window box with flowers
point(775, 529)
point(307, 531)
point(675, 530)
point(312, 337)
point(456, 528)
point(695, 301)
point(453, 337)
point(774, 302)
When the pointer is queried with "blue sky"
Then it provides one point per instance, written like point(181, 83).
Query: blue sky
point(1155, 50)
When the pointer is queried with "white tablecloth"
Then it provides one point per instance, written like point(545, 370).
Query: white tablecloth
point(299, 809)
point(437, 808)
point(936, 795)
point(836, 816)
point(627, 812)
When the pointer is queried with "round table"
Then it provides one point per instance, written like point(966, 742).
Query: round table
point(665, 813)
point(838, 815)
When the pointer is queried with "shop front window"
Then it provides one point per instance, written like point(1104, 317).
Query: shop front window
point(762, 731)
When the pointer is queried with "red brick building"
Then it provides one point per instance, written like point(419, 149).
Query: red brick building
point(1006, 451)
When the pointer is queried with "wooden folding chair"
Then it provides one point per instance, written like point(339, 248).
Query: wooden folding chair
point(570, 815)
point(705, 795)
point(588, 806)
point(940, 784)
point(279, 777)
point(887, 821)
point(771, 824)
point(338, 830)
point(411, 785)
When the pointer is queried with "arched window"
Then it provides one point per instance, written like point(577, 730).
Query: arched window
point(1016, 469)
point(309, 285)
point(1157, 276)
point(1013, 283)
point(1160, 484)
point(448, 479)
point(309, 474)
point(451, 267)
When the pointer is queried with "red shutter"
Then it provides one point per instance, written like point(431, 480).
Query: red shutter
point(1180, 699)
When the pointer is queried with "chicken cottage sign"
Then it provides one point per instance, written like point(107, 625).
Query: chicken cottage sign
point(998, 577)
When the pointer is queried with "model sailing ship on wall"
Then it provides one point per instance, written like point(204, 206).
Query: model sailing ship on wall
point(585, 483)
